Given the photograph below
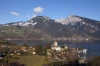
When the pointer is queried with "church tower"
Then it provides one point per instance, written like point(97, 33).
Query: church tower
point(55, 43)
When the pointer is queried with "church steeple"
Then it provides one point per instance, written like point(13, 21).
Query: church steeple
point(65, 45)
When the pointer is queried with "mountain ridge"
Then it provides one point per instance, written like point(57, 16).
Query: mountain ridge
point(43, 27)
point(73, 18)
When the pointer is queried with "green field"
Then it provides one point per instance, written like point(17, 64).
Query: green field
point(15, 32)
point(34, 60)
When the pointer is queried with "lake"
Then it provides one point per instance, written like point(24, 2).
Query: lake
point(93, 46)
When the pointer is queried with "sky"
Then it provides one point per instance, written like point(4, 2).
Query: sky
point(23, 10)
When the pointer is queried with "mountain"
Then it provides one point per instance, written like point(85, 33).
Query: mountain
point(70, 19)
point(42, 27)
point(49, 26)
point(81, 25)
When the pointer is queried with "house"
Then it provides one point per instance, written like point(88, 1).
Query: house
point(55, 46)
point(66, 46)
point(23, 48)
point(56, 53)
point(33, 53)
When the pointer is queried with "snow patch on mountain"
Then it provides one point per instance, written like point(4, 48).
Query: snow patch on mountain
point(27, 23)
point(21, 23)
point(71, 19)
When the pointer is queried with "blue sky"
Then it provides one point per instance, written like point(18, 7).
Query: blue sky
point(23, 10)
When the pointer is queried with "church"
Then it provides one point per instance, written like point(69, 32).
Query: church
point(55, 46)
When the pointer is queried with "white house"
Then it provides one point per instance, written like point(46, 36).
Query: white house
point(66, 46)
point(33, 53)
point(55, 46)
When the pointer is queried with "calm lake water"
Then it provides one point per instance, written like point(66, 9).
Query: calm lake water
point(93, 46)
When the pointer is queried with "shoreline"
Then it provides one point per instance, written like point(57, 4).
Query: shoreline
point(70, 39)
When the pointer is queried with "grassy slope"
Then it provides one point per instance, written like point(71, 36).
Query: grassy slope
point(13, 31)
point(34, 60)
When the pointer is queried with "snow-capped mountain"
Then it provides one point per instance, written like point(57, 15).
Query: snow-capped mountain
point(80, 23)
point(30, 22)
point(73, 26)
point(71, 19)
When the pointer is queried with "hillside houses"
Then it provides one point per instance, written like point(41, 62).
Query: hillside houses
point(56, 53)
point(10, 51)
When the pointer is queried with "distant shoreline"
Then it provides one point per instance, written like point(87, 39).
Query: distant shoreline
point(73, 39)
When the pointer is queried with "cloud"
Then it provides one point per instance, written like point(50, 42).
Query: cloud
point(27, 15)
point(38, 9)
point(15, 13)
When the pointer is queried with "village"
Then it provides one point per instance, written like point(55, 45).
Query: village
point(65, 53)
point(19, 50)
point(53, 53)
